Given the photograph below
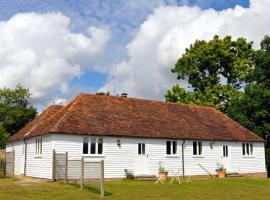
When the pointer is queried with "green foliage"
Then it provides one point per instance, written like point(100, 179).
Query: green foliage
point(104, 93)
point(252, 109)
point(204, 63)
point(218, 96)
point(217, 70)
point(15, 111)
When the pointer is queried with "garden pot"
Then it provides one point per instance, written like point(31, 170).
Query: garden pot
point(221, 174)
point(163, 176)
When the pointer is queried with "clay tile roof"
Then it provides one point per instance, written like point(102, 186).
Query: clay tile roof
point(99, 115)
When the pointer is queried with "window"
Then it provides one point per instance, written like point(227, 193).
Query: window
point(197, 148)
point(141, 148)
point(38, 150)
point(225, 151)
point(85, 145)
point(171, 147)
point(247, 149)
point(95, 146)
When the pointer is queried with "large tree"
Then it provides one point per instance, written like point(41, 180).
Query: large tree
point(206, 64)
point(15, 111)
point(215, 70)
point(253, 109)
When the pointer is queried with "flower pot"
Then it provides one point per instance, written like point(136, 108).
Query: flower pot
point(221, 174)
point(163, 176)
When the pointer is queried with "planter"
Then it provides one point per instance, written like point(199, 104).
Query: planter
point(163, 176)
point(221, 174)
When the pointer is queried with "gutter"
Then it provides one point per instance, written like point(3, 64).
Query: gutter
point(183, 158)
point(25, 156)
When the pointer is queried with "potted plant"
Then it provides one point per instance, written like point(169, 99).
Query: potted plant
point(221, 171)
point(129, 175)
point(163, 174)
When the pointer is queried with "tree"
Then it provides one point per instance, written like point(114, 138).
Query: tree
point(219, 96)
point(253, 109)
point(104, 93)
point(206, 64)
point(215, 70)
point(15, 111)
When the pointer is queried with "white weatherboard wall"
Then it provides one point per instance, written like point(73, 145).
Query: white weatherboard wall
point(18, 147)
point(118, 159)
point(39, 165)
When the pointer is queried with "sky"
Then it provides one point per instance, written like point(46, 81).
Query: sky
point(60, 48)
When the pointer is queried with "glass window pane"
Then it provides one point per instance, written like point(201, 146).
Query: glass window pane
point(139, 148)
point(143, 148)
point(243, 149)
point(251, 149)
point(100, 145)
point(36, 147)
point(85, 145)
point(174, 147)
point(200, 148)
point(247, 145)
point(40, 145)
point(194, 148)
point(168, 147)
point(93, 146)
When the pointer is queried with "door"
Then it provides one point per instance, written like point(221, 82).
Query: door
point(226, 158)
point(141, 161)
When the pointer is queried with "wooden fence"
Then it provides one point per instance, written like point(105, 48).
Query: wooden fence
point(7, 165)
point(82, 170)
point(2, 163)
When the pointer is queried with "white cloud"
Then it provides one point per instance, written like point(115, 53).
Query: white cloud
point(40, 52)
point(165, 34)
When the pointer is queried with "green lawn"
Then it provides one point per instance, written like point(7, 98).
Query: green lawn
point(231, 189)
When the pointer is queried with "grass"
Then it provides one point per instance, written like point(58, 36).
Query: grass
point(210, 189)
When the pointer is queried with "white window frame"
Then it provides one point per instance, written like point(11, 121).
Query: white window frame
point(225, 151)
point(247, 149)
point(96, 148)
point(38, 146)
point(141, 149)
point(172, 143)
point(199, 148)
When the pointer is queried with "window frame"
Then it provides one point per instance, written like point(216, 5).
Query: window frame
point(96, 142)
point(172, 150)
point(141, 149)
point(225, 151)
point(247, 149)
point(197, 148)
point(38, 146)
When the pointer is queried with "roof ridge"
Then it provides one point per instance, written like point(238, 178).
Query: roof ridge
point(150, 100)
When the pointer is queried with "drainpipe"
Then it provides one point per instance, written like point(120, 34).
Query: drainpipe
point(183, 157)
point(25, 156)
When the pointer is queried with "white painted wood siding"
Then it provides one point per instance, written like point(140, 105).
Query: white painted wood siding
point(39, 166)
point(118, 159)
point(18, 146)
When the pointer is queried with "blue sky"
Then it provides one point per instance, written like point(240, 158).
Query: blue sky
point(122, 18)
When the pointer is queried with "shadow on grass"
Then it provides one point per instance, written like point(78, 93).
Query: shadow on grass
point(91, 189)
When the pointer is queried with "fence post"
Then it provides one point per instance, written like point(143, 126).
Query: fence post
point(102, 178)
point(13, 163)
point(53, 166)
point(66, 168)
point(82, 173)
point(5, 164)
